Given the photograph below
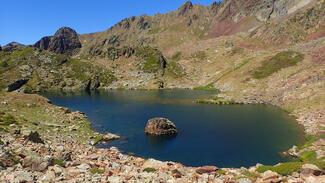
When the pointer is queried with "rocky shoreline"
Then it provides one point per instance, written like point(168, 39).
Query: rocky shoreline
point(65, 158)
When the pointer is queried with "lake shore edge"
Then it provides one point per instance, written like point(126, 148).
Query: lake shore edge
point(93, 164)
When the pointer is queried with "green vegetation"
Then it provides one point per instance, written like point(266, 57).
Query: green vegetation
point(309, 140)
point(85, 71)
point(282, 169)
point(96, 170)
point(175, 69)
point(221, 172)
point(251, 175)
point(59, 162)
point(1, 142)
point(177, 56)
point(3, 64)
point(208, 87)
point(153, 59)
point(6, 119)
point(311, 157)
point(149, 170)
point(279, 61)
point(290, 167)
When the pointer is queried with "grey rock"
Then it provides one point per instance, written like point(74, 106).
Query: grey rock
point(35, 163)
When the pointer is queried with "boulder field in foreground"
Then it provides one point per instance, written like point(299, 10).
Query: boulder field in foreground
point(160, 126)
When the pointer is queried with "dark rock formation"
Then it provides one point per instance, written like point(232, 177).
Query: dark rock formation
point(185, 8)
point(93, 84)
point(0, 48)
point(16, 85)
point(43, 44)
point(115, 53)
point(12, 46)
point(64, 41)
point(143, 24)
point(35, 137)
point(160, 126)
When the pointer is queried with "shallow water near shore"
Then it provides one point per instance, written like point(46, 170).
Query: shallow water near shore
point(225, 136)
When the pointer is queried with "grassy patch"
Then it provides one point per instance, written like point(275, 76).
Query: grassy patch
point(250, 175)
point(6, 119)
point(221, 172)
point(152, 58)
point(279, 61)
point(59, 162)
point(282, 169)
point(175, 69)
point(149, 170)
point(96, 170)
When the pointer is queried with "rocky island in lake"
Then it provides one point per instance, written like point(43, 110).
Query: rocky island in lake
point(243, 80)
point(160, 126)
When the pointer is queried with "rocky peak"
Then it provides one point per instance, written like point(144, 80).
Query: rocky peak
point(64, 41)
point(12, 46)
point(185, 8)
point(215, 7)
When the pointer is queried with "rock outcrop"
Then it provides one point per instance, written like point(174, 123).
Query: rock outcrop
point(160, 126)
point(16, 85)
point(185, 8)
point(12, 46)
point(64, 41)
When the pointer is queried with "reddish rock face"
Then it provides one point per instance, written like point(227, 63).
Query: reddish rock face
point(160, 126)
point(206, 169)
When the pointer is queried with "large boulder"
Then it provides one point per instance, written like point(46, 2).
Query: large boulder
point(64, 41)
point(16, 85)
point(160, 126)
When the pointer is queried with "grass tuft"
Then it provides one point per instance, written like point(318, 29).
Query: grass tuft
point(279, 61)
point(149, 170)
point(282, 169)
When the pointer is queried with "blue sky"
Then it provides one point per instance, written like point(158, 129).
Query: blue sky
point(26, 21)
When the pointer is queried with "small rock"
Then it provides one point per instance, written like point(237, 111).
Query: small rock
point(110, 136)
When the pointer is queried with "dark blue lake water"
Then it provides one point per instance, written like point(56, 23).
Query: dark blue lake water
point(225, 136)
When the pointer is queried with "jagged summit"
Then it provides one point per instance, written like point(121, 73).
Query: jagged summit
point(214, 7)
point(64, 41)
point(186, 7)
point(12, 46)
